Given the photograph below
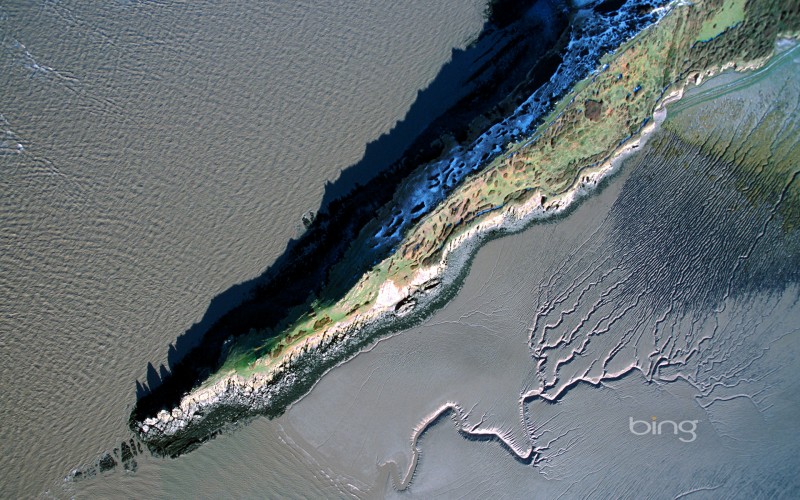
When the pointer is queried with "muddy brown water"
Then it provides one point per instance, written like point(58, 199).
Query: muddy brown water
point(146, 153)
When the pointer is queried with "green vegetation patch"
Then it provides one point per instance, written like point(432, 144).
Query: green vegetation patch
point(729, 15)
point(752, 122)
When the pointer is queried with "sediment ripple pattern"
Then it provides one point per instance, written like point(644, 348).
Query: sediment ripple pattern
point(674, 260)
point(686, 283)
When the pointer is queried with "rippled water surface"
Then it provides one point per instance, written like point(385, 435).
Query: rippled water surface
point(152, 154)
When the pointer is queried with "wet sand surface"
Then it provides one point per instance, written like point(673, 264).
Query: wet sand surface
point(128, 206)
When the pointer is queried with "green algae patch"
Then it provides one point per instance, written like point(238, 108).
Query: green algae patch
point(751, 121)
point(729, 15)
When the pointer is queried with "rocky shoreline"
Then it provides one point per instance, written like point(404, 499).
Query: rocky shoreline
point(271, 383)
point(507, 63)
point(235, 398)
point(291, 281)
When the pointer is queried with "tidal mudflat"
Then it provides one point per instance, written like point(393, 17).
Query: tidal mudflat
point(671, 298)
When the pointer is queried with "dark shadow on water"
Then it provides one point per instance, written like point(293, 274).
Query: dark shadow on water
point(480, 84)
